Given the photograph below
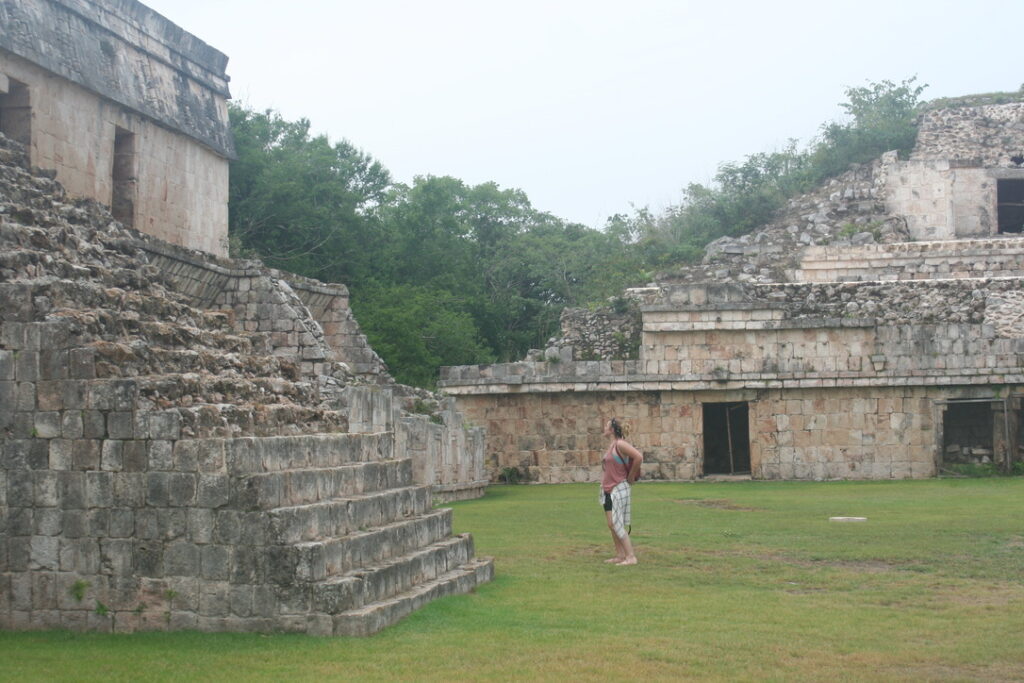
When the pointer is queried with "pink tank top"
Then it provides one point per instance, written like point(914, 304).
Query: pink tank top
point(616, 469)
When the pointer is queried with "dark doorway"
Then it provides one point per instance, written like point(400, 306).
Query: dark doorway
point(1010, 200)
point(15, 113)
point(122, 200)
point(967, 433)
point(726, 438)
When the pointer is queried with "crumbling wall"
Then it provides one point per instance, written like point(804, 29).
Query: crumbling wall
point(301, 318)
point(986, 135)
point(848, 209)
point(954, 259)
point(947, 188)
point(608, 333)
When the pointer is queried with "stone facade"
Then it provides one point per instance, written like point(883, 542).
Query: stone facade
point(949, 188)
point(828, 345)
point(126, 108)
point(182, 446)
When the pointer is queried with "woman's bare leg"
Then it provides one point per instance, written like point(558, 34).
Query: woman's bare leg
point(623, 546)
point(620, 550)
point(627, 547)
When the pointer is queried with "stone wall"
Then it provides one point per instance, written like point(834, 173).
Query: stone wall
point(838, 379)
point(447, 453)
point(947, 189)
point(122, 66)
point(126, 53)
point(853, 433)
point(302, 318)
point(848, 209)
point(1001, 257)
point(985, 135)
point(608, 333)
point(942, 200)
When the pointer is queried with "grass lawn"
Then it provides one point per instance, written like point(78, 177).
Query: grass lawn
point(736, 581)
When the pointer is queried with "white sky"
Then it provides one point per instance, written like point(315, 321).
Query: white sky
point(591, 106)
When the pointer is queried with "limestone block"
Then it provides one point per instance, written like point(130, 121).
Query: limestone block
point(93, 424)
point(46, 488)
point(26, 366)
point(112, 455)
point(44, 552)
point(72, 426)
point(121, 523)
point(181, 558)
point(26, 396)
point(159, 455)
point(135, 456)
point(48, 522)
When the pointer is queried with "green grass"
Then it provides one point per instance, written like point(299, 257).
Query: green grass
point(737, 581)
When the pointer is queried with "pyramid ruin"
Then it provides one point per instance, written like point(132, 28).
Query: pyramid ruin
point(872, 331)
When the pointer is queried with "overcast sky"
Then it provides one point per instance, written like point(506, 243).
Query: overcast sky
point(590, 106)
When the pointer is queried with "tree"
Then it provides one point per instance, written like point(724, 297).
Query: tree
point(300, 202)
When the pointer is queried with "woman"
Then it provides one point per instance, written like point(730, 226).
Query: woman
point(621, 468)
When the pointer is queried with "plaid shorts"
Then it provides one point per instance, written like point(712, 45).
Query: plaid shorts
point(622, 512)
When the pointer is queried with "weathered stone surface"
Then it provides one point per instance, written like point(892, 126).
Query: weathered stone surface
point(183, 461)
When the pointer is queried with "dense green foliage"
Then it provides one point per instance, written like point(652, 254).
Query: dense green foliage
point(444, 273)
point(738, 581)
point(883, 117)
point(441, 273)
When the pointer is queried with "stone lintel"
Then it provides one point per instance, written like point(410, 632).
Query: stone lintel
point(708, 383)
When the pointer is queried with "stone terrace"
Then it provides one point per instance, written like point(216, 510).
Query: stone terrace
point(184, 448)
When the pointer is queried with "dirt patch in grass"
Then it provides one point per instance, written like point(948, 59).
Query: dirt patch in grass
point(980, 595)
point(955, 672)
point(866, 566)
point(716, 503)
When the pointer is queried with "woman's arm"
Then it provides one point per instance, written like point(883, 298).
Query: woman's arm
point(636, 458)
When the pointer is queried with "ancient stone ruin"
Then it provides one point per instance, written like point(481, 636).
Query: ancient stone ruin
point(183, 447)
point(126, 108)
point(188, 441)
point(873, 330)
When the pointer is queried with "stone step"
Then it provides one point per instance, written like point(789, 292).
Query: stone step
point(303, 523)
point(388, 579)
point(270, 490)
point(139, 359)
point(319, 560)
point(192, 388)
point(374, 617)
point(253, 420)
point(256, 455)
point(122, 292)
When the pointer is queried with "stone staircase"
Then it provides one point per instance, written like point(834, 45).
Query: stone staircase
point(166, 466)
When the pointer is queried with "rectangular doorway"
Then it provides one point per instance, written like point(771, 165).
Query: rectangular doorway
point(726, 438)
point(1010, 206)
point(122, 200)
point(967, 433)
point(15, 112)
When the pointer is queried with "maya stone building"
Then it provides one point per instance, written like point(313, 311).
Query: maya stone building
point(188, 441)
point(874, 330)
point(127, 108)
